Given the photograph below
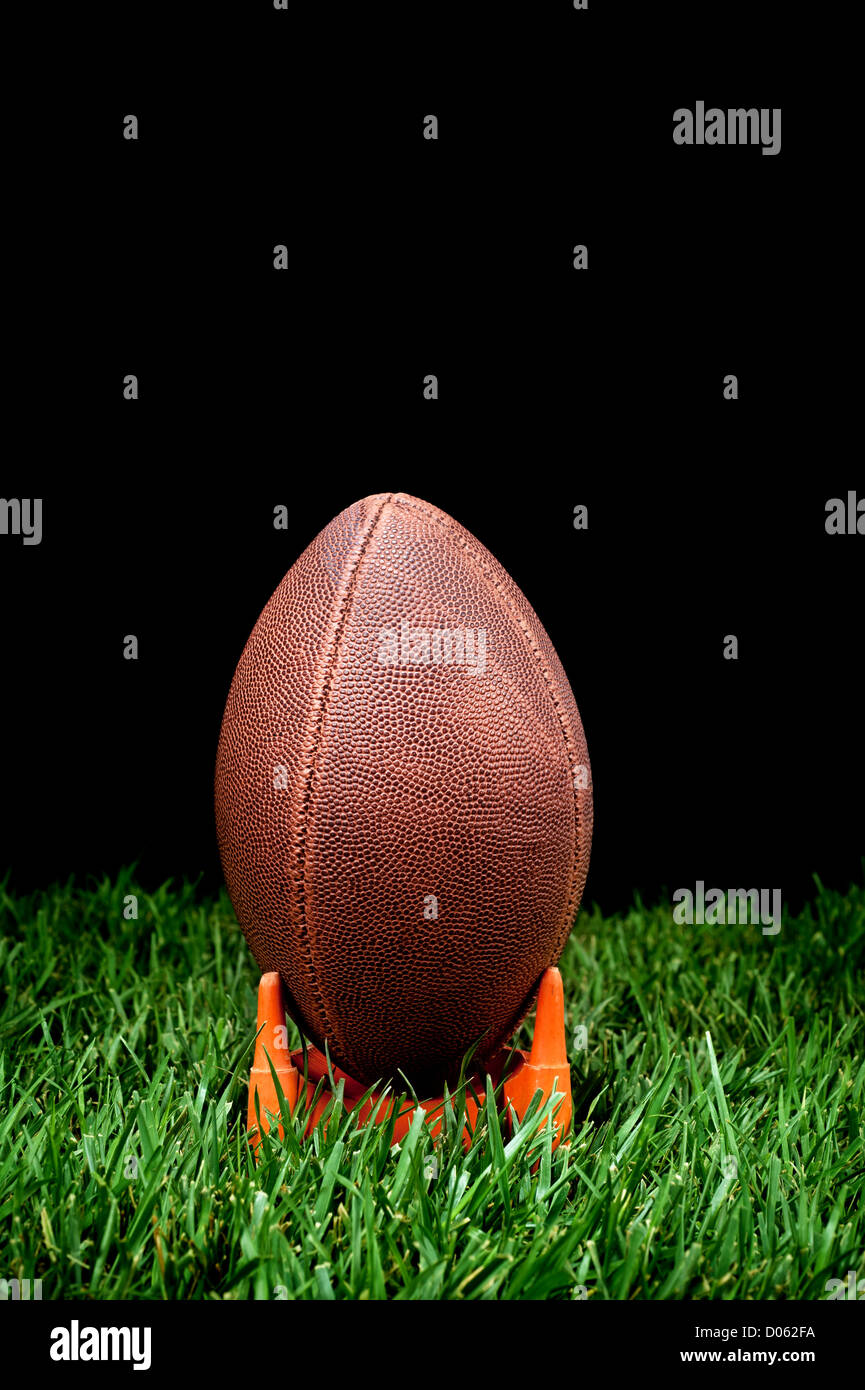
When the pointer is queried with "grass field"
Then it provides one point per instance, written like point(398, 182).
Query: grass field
point(717, 1148)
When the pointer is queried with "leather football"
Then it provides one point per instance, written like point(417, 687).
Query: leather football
point(403, 794)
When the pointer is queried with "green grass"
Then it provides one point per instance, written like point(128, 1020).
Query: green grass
point(717, 1149)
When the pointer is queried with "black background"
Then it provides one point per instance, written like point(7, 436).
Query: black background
point(304, 388)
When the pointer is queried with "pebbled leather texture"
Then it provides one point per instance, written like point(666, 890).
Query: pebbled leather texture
point(402, 838)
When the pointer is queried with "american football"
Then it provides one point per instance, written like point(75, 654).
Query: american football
point(403, 794)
